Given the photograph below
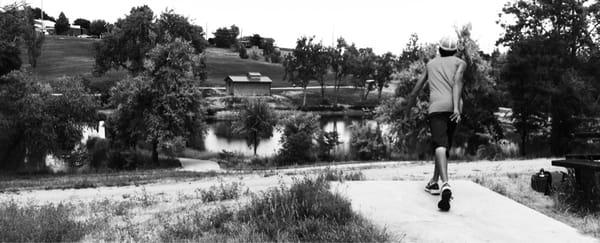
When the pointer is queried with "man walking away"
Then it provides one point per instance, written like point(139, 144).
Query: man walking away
point(444, 74)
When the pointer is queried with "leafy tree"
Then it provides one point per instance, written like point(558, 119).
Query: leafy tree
point(564, 30)
point(33, 39)
point(342, 59)
point(37, 14)
point(83, 23)
point(364, 70)
point(384, 69)
point(300, 66)
point(256, 120)
point(367, 143)
point(226, 37)
point(127, 45)
point(37, 119)
point(297, 146)
point(178, 26)
point(321, 61)
point(410, 53)
point(268, 46)
point(163, 107)
point(62, 24)
point(243, 52)
point(327, 141)
point(256, 40)
point(98, 27)
point(12, 27)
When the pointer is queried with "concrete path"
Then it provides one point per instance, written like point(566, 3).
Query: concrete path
point(477, 214)
point(199, 165)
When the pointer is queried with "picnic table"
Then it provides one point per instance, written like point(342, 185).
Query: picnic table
point(585, 166)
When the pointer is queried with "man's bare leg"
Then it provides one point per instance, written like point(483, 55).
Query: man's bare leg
point(436, 171)
point(441, 164)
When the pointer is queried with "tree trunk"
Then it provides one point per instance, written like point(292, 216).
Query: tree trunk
point(322, 91)
point(335, 91)
point(523, 143)
point(255, 142)
point(379, 95)
point(304, 99)
point(155, 152)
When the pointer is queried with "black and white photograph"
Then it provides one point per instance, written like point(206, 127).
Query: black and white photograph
point(434, 121)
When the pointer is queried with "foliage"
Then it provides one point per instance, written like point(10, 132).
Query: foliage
point(368, 143)
point(226, 37)
point(83, 23)
point(12, 27)
point(225, 191)
point(297, 146)
point(327, 141)
point(98, 27)
point(9, 58)
point(410, 127)
point(33, 39)
point(256, 120)
point(256, 40)
point(342, 61)
point(301, 66)
point(31, 223)
point(37, 14)
point(62, 24)
point(129, 43)
point(42, 118)
point(164, 106)
point(384, 69)
point(557, 38)
point(276, 56)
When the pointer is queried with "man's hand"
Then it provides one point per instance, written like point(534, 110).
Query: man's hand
point(455, 117)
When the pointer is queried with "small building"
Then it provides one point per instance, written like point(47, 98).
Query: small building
point(253, 84)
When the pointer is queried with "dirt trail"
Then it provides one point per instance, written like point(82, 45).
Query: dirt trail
point(262, 180)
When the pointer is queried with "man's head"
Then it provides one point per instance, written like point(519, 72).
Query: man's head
point(448, 45)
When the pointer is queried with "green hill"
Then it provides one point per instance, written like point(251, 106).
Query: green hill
point(75, 56)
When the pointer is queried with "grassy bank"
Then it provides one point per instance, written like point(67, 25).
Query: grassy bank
point(305, 211)
point(517, 187)
point(18, 182)
point(346, 96)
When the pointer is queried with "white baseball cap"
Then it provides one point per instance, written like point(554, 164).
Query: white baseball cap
point(449, 43)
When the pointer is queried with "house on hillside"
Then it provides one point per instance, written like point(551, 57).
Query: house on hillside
point(253, 84)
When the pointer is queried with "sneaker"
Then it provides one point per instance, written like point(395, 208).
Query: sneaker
point(432, 188)
point(444, 204)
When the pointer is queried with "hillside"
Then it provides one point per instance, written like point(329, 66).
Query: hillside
point(75, 56)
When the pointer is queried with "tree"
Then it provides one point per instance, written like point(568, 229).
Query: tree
point(384, 69)
point(226, 37)
point(564, 30)
point(410, 53)
point(256, 40)
point(83, 23)
point(12, 27)
point(98, 27)
point(128, 44)
point(33, 39)
point(37, 119)
point(297, 146)
point(256, 120)
point(342, 59)
point(37, 14)
point(163, 107)
point(62, 25)
point(321, 61)
point(178, 26)
point(300, 67)
point(364, 70)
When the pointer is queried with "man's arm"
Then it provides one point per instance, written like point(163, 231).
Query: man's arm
point(457, 91)
point(415, 92)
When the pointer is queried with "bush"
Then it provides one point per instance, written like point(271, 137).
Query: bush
point(97, 152)
point(221, 192)
point(254, 55)
point(131, 160)
point(339, 175)
point(297, 145)
point(326, 142)
point(47, 223)
point(368, 144)
point(568, 197)
point(276, 57)
point(243, 52)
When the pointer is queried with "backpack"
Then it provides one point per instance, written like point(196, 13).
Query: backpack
point(542, 182)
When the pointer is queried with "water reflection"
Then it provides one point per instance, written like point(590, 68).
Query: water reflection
point(219, 137)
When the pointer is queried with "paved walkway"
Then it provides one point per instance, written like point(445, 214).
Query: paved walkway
point(477, 214)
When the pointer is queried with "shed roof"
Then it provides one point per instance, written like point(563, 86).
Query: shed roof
point(235, 79)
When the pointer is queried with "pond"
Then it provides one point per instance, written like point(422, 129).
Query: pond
point(219, 137)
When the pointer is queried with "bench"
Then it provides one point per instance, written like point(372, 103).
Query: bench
point(585, 166)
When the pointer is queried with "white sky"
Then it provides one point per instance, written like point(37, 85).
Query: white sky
point(384, 25)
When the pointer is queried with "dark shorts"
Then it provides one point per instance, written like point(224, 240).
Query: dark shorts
point(442, 130)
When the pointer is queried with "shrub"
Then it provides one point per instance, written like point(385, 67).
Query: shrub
point(297, 145)
point(326, 142)
point(254, 55)
point(568, 197)
point(339, 175)
point(243, 52)
point(47, 223)
point(97, 152)
point(368, 144)
point(276, 57)
point(220, 193)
